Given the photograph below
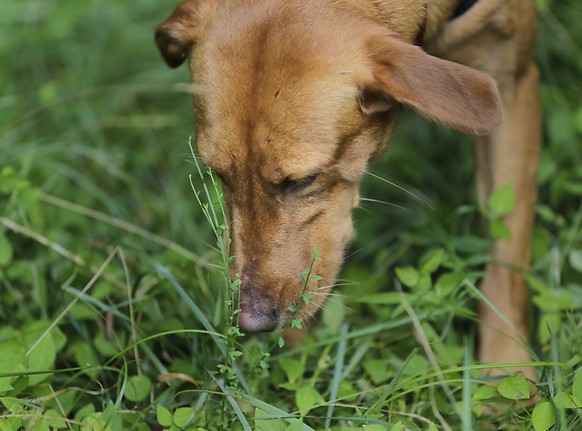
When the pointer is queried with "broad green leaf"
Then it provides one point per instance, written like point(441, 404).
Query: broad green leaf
point(557, 299)
point(432, 261)
point(182, 416)
point(499, 230)
point(514, 388)
point(59, 338)
point(550, 324)
point(306, 398)
point(105, 346)
point(265, 422)
point(95, 423)
point(398, 427)
point(543, 416)
point(448, 282)
point(502, 201)
point(577, 386)
point(29, 197)
point(471, 244)
point(164, 416)
point(112, 417)
point(86, 358)
point(563, 400)
point(14, 405)
point(291, 386)
point(17, 423)
point(432, 427)
point(378, 370)
point(41, 425)
point(63, 402)
point(347, 391)
point(408, 275)
point(293, 368)
point(296, 425)
point(54, 419)
point(42, 358)
point(485, 393)
point(82, 311)
point(5, 250)
point(12, 359)
point(424, 283)
point(415, 366)
point(83, 412)
point(137, 388)
point(374, 427)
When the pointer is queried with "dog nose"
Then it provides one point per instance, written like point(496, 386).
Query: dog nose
point(254, 320)
point(259, 312)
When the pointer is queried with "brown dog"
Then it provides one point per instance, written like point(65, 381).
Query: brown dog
point(297, 96)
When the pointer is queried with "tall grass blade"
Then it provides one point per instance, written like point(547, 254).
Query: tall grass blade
point(239, 414)
point(337, 373)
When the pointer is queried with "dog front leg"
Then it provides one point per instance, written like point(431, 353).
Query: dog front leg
point(510, 155)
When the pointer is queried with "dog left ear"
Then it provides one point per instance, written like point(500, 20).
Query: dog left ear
point(178, 34)
point(447, 92)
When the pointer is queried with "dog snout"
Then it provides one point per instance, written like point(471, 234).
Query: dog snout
point(258, 312)
point(255, 320)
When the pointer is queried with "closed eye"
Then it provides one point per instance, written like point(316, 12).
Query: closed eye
point(290, 186)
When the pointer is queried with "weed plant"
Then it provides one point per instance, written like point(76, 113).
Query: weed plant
point(117, 308)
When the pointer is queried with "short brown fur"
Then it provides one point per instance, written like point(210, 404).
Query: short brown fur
point(298, 96)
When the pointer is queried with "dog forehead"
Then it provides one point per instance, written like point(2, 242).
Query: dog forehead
point(278, 124)
point(278, 119)
point(276, 89)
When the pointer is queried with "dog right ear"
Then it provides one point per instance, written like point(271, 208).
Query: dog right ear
point(178, 34)
point(447, 92)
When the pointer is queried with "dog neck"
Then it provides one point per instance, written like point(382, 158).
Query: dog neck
point(419, 40)
point(463, 6)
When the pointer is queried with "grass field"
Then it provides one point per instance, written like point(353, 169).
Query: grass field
point(112, 294)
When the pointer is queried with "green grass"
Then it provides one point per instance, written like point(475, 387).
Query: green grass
point(114, 304)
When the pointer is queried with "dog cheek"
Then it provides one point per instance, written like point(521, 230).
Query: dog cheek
point(235, 248)
point(356, 199)
point(339, 233)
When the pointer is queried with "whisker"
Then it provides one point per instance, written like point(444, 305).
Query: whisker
point(390, 204)
point(342, 305)
point(339, 282)
point(346, 280)
point(330, 286)
point(330, 295)
point(408, 192)
point(364, 209)
point(352, 253)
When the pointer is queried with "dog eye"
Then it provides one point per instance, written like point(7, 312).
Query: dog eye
point(295, 186)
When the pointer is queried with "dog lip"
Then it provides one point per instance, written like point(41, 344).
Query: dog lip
point(256, 321)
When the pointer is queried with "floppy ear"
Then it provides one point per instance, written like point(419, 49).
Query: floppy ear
point(447, 92)
point(176, 36)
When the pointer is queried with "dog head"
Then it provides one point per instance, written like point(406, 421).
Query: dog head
point(294, 101)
